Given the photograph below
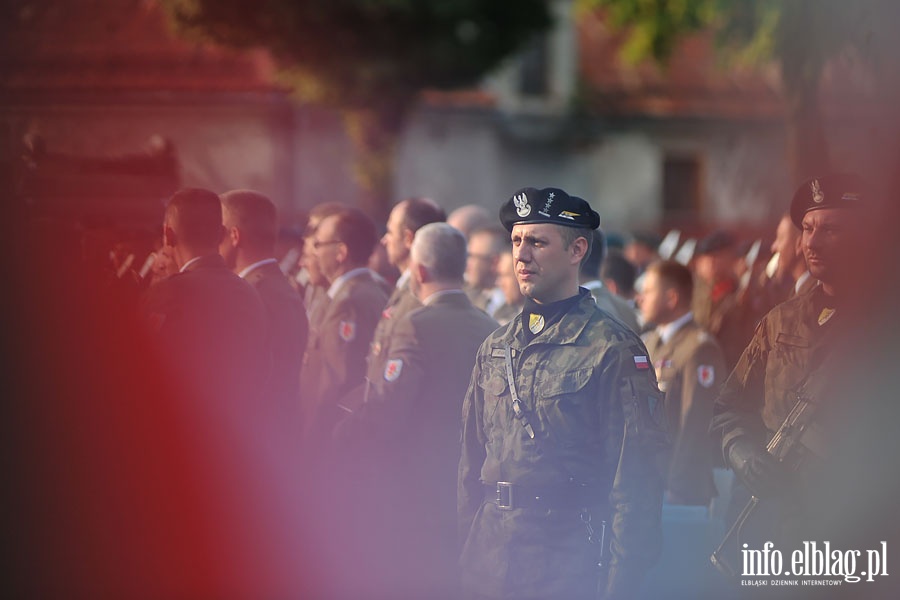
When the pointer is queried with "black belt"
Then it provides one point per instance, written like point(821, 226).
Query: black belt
point(510, 496)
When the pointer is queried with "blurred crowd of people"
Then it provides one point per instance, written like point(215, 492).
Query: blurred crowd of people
point(340, 356)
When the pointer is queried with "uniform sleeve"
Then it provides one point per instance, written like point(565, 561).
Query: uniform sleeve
point(694, 453)
point(353, 325)
point(737, 410)
point(392, 396)
point(469, 487)
point(637, 435)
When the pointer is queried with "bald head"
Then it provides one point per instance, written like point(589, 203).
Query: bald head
point(469, 218)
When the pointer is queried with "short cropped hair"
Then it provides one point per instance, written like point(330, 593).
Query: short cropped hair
point(357, 230)
point(319, 212)
point(673, 274)
point(617, 268)
point(570, 234)
point(590, 266)
point(500, 241)
point(254, 214)
point(441, 249)
point(195, 214)
point(418, 212)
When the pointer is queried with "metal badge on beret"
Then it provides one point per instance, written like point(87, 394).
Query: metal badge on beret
point(837, 190)
point(549, 205)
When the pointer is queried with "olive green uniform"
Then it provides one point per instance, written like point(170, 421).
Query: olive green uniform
point(690, 369)
point(789, 343)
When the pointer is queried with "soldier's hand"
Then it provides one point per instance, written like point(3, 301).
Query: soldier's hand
point(764, 476)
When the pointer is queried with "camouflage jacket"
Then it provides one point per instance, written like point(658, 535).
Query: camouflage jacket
point(590, 395)
point(790, 341)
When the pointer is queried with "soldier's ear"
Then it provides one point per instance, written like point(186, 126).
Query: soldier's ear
point(170, 238)
point(419, 272)
point(672, 297)
point(233, 235)
point(579, 248)
point(408, 236)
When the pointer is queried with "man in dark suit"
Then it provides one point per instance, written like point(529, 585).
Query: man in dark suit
point(210, 325)
point(409, 428)
point(250, 221)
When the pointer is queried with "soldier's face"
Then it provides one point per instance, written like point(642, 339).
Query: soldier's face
point(481, 262)
point(826, 244)
point(652, 300)
point(506, 279)
point(394, 239)
point(546, 270)
point(785, 245)
point(328, 252)
point(227, 248)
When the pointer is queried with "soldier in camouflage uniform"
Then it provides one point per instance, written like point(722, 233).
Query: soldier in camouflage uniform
point(561, 431)
point(793, 340)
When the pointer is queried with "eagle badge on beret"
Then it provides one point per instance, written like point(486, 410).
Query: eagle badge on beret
point(817, 195)
point(523, 209)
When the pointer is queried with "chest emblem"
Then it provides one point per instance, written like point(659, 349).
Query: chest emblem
point(642, 363)
point(825, 315)
point(535, 323)
point(347, 330)
point(706, 375)
point(393, 369)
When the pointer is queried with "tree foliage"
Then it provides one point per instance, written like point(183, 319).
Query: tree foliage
point(369, 58)
point(801, 36)
point(368, 53)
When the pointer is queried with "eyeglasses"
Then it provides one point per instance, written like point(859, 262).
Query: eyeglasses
point(317, 244)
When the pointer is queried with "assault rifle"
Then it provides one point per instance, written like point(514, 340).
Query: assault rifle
point(795, 440)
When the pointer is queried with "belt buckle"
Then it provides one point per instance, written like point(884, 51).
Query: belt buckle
point(505, 496)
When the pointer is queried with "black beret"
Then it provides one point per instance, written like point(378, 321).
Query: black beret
point(715, 241)
point(549, 205)
point(837, 190)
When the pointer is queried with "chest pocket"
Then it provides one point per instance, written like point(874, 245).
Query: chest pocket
point(563, 406)
point(492, 381)
point(788, 362)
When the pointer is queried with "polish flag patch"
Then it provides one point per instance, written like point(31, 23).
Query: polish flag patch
point(642, 363)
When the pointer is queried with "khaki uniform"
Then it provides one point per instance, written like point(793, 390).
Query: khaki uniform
point(613, 304)
point(401, 302)
point(336, 353)
point(690, 369)
point(591, 398)
point(507, 312)
point(408, 436)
